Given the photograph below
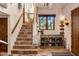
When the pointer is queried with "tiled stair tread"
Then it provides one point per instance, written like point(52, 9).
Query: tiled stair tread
point(23, 54)
point(25, 32)
point(27, 23)
point(24, 45)
point(24, 39)
point(26, 27)
point(23, 42)
point(24, 35)
point(27, 37)
point(25, 50)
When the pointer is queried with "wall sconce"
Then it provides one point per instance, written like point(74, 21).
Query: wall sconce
point(64, 21)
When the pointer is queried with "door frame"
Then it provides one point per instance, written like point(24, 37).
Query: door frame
point(72, 29)
point(7, 16)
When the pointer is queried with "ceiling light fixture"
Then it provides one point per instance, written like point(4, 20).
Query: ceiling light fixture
point(46, 4)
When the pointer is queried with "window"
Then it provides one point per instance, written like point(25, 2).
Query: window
point(47, 22)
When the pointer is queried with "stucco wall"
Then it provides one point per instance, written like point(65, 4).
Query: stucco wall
point(67, 12)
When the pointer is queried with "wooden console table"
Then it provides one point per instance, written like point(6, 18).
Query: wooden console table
point(52, 41)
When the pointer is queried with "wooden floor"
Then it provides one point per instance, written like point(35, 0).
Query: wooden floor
point(48, 51)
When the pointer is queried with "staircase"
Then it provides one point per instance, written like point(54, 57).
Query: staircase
point(23, 45)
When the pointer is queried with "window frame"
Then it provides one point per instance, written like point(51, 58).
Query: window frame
point(47, 22)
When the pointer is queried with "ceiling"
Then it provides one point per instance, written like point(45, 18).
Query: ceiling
point(51, 5)
point(2, 14)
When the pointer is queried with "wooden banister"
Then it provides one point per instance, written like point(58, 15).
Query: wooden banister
point(17, 23)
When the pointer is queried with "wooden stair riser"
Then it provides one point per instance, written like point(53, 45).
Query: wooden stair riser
point(27, 24)
point(24, 35)
point(23, 43)
point(26, 27)
point(20, 39)
point(24, 52)
point(24, 47)
point(25, 32)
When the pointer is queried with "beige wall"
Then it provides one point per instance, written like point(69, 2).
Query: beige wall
point(67, 12)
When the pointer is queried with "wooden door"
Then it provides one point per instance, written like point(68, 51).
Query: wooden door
point(3, 34)
point(75, 31)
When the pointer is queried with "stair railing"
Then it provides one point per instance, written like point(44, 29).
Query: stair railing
point(22, 15)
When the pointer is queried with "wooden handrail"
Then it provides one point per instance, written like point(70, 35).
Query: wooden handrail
point(17, 23)
point(23, 14)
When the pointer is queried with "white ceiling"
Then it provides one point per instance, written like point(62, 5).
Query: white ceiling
point(2, 14)
point(51, 5)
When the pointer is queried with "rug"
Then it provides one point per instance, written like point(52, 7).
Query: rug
point(61, 54)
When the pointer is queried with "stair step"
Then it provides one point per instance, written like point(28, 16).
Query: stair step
point(27, 24)
point(24, 55)
point(24, 47)
point(27, 27)
point(23, 42)
point(27, 51)
point(23, 39)
point(25, 35)
point(25, 32)
point(22, 35)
